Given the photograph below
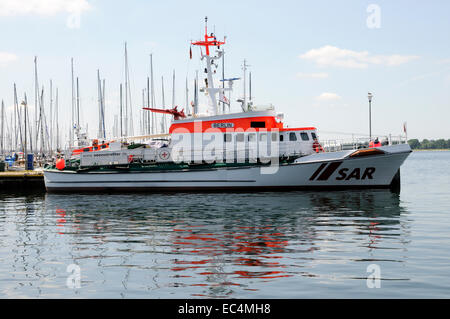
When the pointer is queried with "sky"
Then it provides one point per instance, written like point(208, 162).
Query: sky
point(315, 61)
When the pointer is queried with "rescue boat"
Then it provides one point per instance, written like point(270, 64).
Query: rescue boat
point(221, 150)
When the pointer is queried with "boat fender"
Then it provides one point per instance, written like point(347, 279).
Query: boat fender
point(60, 164)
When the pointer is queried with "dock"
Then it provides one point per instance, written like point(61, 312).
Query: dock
point(22, 180)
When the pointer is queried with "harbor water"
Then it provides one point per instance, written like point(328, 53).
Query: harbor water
point(341, 244)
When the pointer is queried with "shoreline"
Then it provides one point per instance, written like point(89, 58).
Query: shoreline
point(432, 149)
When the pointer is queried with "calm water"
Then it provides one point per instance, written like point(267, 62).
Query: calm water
point(244, 245)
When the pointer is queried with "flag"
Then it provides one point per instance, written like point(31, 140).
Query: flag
point(404, 127)
point(224, 99)
point(190, 53)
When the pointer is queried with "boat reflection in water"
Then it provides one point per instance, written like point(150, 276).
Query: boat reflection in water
point(233, 244)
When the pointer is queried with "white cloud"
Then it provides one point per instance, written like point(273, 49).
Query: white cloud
point(327, 96)
point(7, 58)
point(317, 75)
point(444, 61)
point(333, 56)
point(42, 7)
point(46, 8)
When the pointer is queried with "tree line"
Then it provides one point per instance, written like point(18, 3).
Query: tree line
point(429, 144)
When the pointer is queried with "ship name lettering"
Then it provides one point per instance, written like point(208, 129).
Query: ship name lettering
point(356, 174)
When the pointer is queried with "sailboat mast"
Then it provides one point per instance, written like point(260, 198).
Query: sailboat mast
point(121, 107)
point(2, 130)
point(187, 97)
point(51, 116)
point(154, 119)
point(71, 137)
point(57, 120)
point(149, 125)
point(78, 111)
point(163, 118)
point(103, 109)
point(173, 89)
point(126, 90)
point(36, 99)
point(99, 87)
point(24, 103)
point(223, 79)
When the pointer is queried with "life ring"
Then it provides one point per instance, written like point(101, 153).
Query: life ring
point(164, 154)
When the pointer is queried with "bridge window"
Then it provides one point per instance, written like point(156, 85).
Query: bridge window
point(313, 135)
point(292, 137)
point(281, 137)
point(275, 137)
point(263, 137)
point(258, 124)
point(240, 137)
point(304, 136)
point(227, 137)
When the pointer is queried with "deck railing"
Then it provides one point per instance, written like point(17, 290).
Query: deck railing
point(335, 145)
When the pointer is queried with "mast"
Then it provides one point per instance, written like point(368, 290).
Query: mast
point(196, 94)
point(149, 128)
point(121, 107)
point(2, 130)
point(223, 80)
point(173, 89)
point(142, 114)
point(250, 86)
point(210, 41)
point(126, 90)
point(154, 127)
point(36, 99)
point(129, 120)
point(24, 103)
point(71, 137)
point(99, 88)
point(78, 110)
point(41, 122)
point(16, 118)
point(57, 120)
point(245, 86)
point(103, 108)
point(163, 118)
point(51, 116)
point(187, 97)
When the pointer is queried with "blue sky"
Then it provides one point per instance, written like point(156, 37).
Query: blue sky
point(314, 60)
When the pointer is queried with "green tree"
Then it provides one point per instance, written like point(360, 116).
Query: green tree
point(414, 143)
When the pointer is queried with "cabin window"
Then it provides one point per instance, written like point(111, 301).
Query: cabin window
point(263, 137)
point(275, 137)
point(86, 149)
point(95, 148)
point(103, 146)
point(258, 124)
point(240, 137)
point(314, 136)
point(281, 137)
point(304, 136)
point(251, 137)
point(227, 137)
point(292, 137)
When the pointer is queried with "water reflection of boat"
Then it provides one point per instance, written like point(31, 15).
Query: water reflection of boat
point(213, 249)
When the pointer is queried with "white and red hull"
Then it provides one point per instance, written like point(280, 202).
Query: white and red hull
point(317, 171)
